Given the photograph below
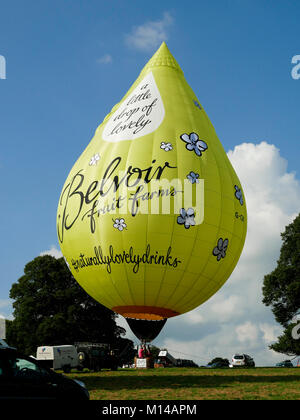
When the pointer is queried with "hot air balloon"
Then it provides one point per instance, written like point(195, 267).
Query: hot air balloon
point(144, 262)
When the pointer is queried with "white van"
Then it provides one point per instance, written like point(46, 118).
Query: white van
point(58, 357)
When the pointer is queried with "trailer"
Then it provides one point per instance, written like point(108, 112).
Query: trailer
point(63, 357)
point(165, 359)
point(96, 356)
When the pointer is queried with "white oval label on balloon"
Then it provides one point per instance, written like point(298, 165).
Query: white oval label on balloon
point(141, 113)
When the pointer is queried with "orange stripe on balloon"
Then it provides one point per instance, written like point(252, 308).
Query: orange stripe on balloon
point(151, 313)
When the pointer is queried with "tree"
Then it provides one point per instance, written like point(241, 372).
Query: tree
point(281, 288)
point(286, 343)
point(50, 308)
point(154, 352)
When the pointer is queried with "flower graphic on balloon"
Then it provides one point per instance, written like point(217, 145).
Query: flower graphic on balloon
point(239, 194)
point(186, 218)
point(166, 146)
point(197, 104)
point(194, 143)
point(193, 177)
point(94, 159)
point(119, 224)
point(220, 250)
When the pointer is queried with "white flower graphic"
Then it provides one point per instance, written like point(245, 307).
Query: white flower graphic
point(166, 146)
point(94, 159)
point(119, 224)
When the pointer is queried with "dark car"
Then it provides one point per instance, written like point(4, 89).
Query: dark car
point(285, 363)
point(22, 377)
point(185, 363)
point(219, 364)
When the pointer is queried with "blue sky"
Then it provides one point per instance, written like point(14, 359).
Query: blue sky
point(69, 62)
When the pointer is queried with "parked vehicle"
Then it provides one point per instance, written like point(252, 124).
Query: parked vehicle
point(218, 364)
point(242, 360)
point(3, 343)
point(185, 363)
point(285, 363)
point(63, 357)
point(165, 359)
point(96, 356)
point(23, 377)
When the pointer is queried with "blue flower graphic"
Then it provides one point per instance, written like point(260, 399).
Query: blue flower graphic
point(193, 177)
point(197, 104)
point(220, 250)
point(194, 143)
point(186, 218)
point(239, 194)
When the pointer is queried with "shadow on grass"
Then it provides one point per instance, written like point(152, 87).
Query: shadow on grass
point(115, 383)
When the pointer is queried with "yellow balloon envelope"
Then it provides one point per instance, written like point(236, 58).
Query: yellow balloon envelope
point(152, 217)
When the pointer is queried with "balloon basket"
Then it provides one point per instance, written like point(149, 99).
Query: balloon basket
point(145, 363)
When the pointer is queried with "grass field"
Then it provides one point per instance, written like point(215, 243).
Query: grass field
point(193, 384)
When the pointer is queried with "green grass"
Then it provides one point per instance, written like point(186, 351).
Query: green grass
point(193, 384)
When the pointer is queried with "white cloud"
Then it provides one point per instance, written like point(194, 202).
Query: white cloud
point(270, 332)
point(6, 308)
point(269, 188)
point(246, 332)
point(4, 303)
point(226, 307)
point(195, 318)
point(53, 251)
point(149, 35)
point(105, 59)
point(235, 319)
point(223, 343)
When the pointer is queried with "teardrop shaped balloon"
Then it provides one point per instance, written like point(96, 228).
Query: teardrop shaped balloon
point(152, 217)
